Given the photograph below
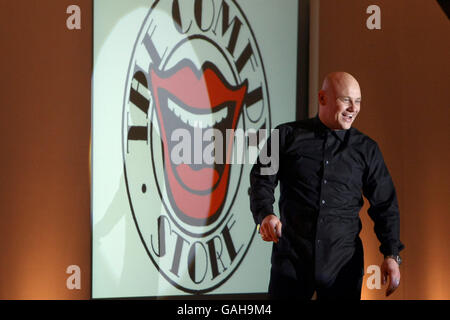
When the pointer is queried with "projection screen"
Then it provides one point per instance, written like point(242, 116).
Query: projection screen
point(182, 93)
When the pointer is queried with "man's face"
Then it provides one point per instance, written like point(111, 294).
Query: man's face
point(340, 103)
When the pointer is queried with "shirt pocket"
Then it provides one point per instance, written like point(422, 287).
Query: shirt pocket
point(300, 168)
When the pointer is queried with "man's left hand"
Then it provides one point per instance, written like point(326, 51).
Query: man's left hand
point(390, 268)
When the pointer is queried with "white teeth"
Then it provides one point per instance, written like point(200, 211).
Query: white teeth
point(197, 120)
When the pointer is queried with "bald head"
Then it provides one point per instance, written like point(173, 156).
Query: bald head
point(339, 81)
point(339, 100)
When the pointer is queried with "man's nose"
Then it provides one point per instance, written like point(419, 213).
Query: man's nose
point(351, 107)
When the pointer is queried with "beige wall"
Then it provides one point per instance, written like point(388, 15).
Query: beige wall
point(44, 135)
point(404, 73)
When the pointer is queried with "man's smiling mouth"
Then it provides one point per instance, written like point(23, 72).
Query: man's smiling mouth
point(349, 117)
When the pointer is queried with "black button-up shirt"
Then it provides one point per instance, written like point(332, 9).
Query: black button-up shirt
point(323, 175)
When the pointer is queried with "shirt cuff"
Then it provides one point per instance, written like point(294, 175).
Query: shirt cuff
point(262, 214)
point(391, 249)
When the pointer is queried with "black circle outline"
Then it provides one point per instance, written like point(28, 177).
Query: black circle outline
point(176, 285)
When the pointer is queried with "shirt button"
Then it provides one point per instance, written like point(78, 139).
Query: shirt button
point(325, 181)
point(326, 162)
point(323, 201)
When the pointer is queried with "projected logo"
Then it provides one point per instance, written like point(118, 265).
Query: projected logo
point(196, 94)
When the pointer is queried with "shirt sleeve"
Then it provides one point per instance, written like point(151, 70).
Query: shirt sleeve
point(379, 189)
point(264, 176)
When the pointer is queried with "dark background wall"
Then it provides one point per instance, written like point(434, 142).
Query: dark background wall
point(45, 81)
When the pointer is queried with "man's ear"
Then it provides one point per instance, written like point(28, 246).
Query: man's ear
point(322, 98)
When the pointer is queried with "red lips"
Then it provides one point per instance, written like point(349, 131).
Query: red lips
point(197, 192)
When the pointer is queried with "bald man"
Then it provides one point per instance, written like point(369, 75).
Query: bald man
point(325, 168)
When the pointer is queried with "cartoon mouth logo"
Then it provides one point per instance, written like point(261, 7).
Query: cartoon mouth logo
point(188, 98)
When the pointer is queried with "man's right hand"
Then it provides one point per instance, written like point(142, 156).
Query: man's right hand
point(270, 228)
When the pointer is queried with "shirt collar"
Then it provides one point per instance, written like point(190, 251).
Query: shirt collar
point(322, 129)
point(340, 134)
